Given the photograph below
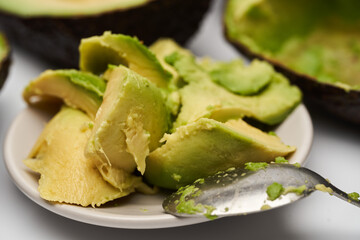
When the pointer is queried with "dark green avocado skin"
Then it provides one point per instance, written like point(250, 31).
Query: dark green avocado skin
point(56, 39)
point(342, 103)
point(4, 68)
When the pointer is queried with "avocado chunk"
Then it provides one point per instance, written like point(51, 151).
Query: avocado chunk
point(67, 176)
point(206, 146)
point(163, 48)
point(237, 78)
point(316, 44)
point(77, 89)
point(97, 52)
point(4, 59)
point(53, 29)
point(129, 124)
point(270, 106)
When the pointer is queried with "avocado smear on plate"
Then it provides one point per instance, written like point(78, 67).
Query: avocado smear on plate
point(158, 116)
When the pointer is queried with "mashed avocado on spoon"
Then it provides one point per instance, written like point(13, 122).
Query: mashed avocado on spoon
point(240, 191)
point(152, 117)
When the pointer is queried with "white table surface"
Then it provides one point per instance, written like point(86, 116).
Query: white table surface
point(335, 154)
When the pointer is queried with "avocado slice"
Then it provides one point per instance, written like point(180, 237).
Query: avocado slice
point(270, 106)
point(77, 89)
point(4, 59)
point(67, 176)
point(130, 122)
point(316, 44)
point(237, 78)
point(53, 30)
point(97, 52)
point(164, 47)
point(206, 146)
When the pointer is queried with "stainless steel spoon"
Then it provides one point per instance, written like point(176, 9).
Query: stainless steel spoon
point(241, 191)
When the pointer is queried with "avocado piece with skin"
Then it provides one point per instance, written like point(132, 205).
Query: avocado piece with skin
point(66, 8)
point(323, 35)
point(206, 146)
point(4, 59)
point(57, 26)
point(66, 175)
point(270, 106)
point(129, 124)
point(314, 43)
point(76, 89)
point(97, 52)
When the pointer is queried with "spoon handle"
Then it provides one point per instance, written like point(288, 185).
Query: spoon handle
point(344, 196)
point(335, 191)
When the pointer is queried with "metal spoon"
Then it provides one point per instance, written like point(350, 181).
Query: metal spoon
point(241, 191)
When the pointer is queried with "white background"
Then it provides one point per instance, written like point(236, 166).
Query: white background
point(335, 154)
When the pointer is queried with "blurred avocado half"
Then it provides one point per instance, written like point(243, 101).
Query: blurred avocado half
point(4, 59)
point(315, 43)
point(53, 29)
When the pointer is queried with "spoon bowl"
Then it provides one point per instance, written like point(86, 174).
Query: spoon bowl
point(242, 191)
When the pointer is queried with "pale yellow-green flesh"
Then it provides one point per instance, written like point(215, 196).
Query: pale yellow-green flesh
point(129, 124)
point(65, 8)
point(318, 38)
point(323, 188)
point(96, 53)
point(50, 84)
point(205, 147)
point(3, 48)
point(67, 176)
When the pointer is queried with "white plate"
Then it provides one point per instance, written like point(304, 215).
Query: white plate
point(136, 211)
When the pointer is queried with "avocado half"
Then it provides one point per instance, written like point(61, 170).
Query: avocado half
point(53, 29)
point(316, 44)
point(4, 59)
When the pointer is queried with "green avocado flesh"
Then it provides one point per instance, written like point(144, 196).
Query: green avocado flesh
point(240, 79)
point(207, 146)
point(97, 52)
point(274, 191)
point(66, 8)
point(188, 206)
point(163, 48)
point(354, 196)
point(256, 166)
point(4, 49)
point(160, 113)
point(270, 106)
point(77, 89)
point(318, 38)
point(130, 122)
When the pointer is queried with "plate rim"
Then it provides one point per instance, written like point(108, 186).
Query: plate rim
point(110, 220)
